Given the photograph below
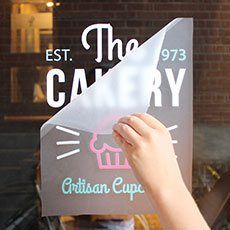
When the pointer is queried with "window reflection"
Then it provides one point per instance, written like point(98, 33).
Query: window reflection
point(31, 26)
point(28, 84)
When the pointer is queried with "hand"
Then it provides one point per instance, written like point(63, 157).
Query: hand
point(148, 147)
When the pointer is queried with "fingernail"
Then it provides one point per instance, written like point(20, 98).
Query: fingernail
point(136, 114)
point(120, 119)
point(123, 118)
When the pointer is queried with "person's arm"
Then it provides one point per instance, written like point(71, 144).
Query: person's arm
point(148, 147)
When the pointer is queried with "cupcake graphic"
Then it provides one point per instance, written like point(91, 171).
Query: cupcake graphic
point(107, 154)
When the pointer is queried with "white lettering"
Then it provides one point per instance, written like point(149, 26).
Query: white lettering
point(175, 85)
point(132, 44)
point(50, 88)
point(79, 79)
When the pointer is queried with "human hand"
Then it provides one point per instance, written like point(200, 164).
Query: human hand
point(148, 147)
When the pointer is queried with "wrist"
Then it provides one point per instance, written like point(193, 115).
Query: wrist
point(164, 194)
point(178, 202)
point(179, 192)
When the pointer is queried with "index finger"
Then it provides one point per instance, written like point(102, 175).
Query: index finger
point(150, 121)
point(137, 124)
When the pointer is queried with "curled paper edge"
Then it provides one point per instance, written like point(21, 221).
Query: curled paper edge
point(61, 118)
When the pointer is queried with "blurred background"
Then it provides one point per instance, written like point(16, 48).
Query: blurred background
point(29, 27)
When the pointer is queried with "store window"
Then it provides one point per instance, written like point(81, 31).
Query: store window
point(31, 26)
point(31, 33)
point(28, 85)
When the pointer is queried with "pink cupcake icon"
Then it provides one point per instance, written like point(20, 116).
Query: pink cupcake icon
point(108, 157)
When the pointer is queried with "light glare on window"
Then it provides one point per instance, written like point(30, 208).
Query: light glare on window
point(49, 4)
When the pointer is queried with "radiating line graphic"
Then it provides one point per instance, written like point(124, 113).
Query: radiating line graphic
point(67, 142)
point(72, 142)
point(172, 128)
point(68, 154)
point(68, 130)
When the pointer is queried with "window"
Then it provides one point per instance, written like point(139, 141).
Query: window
point(31, 26)
point(28, 85)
